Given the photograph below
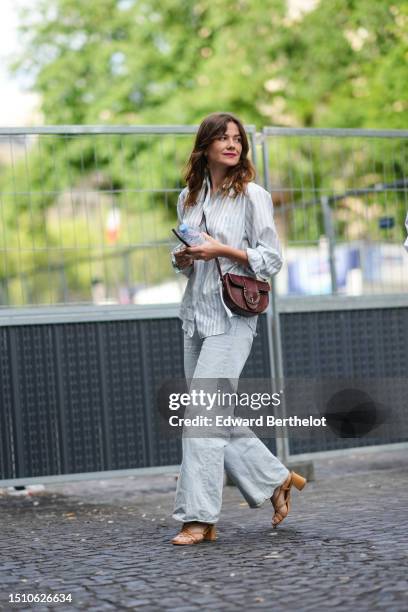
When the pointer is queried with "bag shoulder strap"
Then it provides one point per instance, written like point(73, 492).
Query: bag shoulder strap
point(216, 258)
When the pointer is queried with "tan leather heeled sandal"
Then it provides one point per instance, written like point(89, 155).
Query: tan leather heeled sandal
point(281, 500)
point(188, 535)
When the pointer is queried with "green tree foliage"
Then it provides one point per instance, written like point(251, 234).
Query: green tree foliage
point(343, 64)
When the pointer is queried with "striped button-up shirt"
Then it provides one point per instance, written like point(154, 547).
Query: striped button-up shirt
point(245, 222)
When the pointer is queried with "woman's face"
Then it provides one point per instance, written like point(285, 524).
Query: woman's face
point(226, 149)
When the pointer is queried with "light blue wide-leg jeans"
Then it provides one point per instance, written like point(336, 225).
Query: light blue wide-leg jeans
point(246, 459)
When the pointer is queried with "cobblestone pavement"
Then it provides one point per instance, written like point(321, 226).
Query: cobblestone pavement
point(343, 546)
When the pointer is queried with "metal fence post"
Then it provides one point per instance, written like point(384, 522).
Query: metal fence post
point(252, 140)
point(274, 335)
point(331, 237)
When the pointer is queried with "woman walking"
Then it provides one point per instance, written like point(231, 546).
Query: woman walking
point(236, 218)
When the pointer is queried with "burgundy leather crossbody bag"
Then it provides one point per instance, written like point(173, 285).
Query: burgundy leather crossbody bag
point(243, 295)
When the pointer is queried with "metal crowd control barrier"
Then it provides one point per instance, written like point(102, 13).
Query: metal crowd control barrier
point(94, 206)
point(77, 382)
point(311, 174)
point(341, 198)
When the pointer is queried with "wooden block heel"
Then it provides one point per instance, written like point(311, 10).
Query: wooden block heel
point(211, 534)
point(298, 481)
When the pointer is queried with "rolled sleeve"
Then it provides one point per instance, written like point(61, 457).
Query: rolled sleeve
point(186, 271)
point(265, 252)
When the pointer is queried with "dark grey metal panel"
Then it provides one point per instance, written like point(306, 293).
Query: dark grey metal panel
point(7, 464)
point(32, 378)
point(350, 344)
point(81, 393)
point(82, 397)
point(124, 414)
point(163, 358)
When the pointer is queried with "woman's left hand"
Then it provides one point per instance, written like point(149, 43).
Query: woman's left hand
point(210, 249)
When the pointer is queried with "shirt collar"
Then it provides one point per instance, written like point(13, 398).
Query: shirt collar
point(207, 185)
point(206, 180)
point(205, 191)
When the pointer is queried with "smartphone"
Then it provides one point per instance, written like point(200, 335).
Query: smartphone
point(175, 232)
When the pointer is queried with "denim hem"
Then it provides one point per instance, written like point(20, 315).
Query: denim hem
point(260, 503)
point(199, 520)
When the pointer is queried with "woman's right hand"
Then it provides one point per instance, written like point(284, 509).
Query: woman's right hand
point(182, 259)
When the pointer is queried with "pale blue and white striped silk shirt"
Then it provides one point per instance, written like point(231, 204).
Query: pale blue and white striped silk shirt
point(245, 222)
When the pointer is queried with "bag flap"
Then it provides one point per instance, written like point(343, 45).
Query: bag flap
point(252, 284)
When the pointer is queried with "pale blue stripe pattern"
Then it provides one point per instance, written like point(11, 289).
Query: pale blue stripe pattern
point(245, 222)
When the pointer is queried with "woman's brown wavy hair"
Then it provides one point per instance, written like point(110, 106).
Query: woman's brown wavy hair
point(212, 127)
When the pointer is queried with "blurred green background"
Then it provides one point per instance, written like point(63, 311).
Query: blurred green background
point(337, 63)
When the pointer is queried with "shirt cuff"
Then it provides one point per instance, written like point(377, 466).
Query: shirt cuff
point(186, 271)
point(255, 260)
point(264, 262)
